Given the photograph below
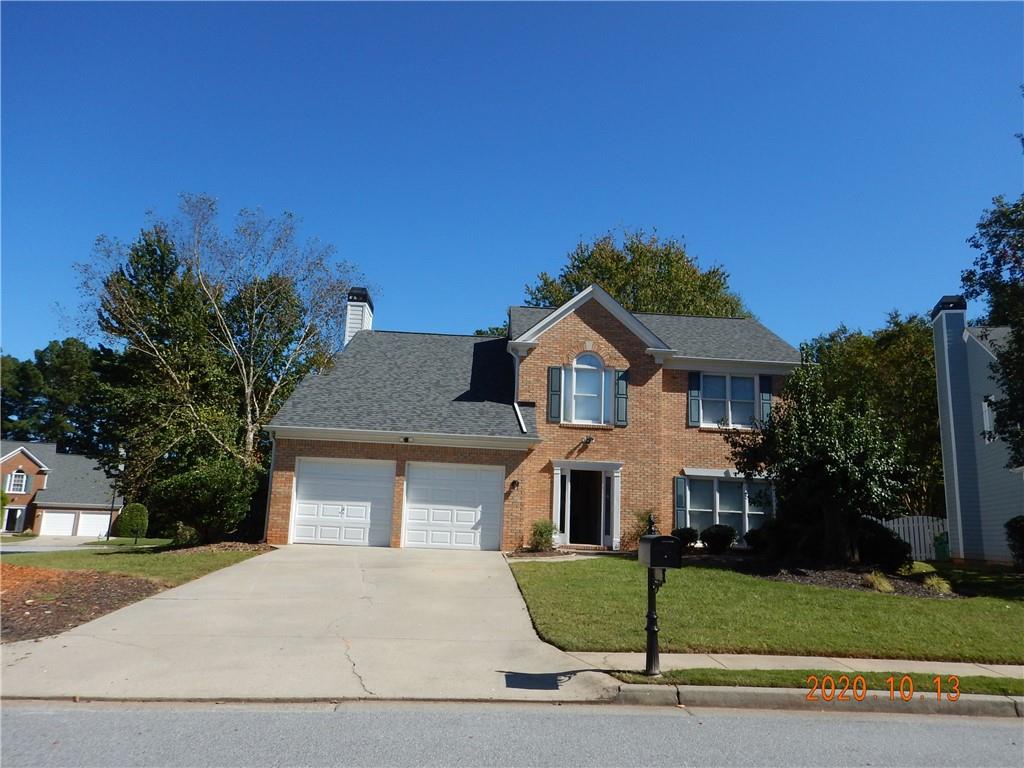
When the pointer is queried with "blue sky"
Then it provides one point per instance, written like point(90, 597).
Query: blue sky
point(832, 157)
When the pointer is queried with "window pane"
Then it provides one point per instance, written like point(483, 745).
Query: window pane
point(712, 411)
point(588, 408)
point(588, 382)
point(760, 497)
point(742, 414)
point(754, 521)
point(591, 360)
point(734, 520)
point(714, 387)
point(742, 388)
point(701, 520)
point(701, 492)
point(730, 496)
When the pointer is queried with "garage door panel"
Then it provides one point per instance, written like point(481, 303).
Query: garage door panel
point(93, 524)
point(343, 502)
point(58, 524)
point(453, 506)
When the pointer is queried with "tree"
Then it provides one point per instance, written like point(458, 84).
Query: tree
point(892, 370)
point(997, 275)
point(830, 463)
point(21, 387)
point(229, 323)
point(644, 274)
point(494, 330)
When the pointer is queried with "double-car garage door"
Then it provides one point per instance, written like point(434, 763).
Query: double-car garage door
point(74, 523)
point(446, 506)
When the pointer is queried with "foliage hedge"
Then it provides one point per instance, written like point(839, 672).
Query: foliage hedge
point(133, 522)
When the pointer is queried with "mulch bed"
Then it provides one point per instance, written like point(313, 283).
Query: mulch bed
point(36, 602)
point(224, 546)
point(525, 554)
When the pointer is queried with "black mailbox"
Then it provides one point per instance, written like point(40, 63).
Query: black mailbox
point(660, 552)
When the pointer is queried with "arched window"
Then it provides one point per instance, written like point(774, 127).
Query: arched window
point(589, 394)
point(17, 482)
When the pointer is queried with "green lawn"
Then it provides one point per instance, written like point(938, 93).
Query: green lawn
point(167, 568)
point(599, 604)
point(127, 542)
point(797, 678)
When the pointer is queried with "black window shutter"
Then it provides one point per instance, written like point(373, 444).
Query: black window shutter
point(28, 483)
point(766, 397)
point(679, 501)
point(622, 398)
point(694, 399)
point(554, 393)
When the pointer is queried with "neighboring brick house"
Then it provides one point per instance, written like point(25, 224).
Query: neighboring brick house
point(982, 492)
point(586, 415)
point(54, 494)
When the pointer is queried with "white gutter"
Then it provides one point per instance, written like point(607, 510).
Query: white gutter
point(399, 438)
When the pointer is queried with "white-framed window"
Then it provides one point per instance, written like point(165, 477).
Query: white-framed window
point(17, 481)
point(705, 501)
point(588, 391)
point(727, 400)
point(987, 419)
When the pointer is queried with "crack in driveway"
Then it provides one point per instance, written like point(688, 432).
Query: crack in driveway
point(359, 677)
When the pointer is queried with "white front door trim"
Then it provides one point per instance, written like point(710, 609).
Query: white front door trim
point(608, 469)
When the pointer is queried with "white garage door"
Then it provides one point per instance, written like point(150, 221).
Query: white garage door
point(93, 524)
point(343, 502)
point(57, 523)
point(453, 506)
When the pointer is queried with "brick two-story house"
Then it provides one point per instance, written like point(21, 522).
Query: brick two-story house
point(586, 415)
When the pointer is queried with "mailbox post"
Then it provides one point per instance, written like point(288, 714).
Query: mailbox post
point(657, 553)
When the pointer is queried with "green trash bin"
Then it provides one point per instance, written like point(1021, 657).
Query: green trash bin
point(942, 546)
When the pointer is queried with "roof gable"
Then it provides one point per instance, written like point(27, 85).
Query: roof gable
point(590, 293)
point(10, 449)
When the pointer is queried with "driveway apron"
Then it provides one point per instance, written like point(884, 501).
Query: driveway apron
point(323, 622)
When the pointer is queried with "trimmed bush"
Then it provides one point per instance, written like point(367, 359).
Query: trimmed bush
point(133, 522)
point(688, 536)
point(756, 539)
point(542, 536)
point(184, 535)
point(718, 538)
point(879, 546)
point(1015, 538)
point(213, 499)
point(937, 584)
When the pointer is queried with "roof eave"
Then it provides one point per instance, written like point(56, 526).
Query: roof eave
point(672, 359)
point(28, 453)
point(394, 437)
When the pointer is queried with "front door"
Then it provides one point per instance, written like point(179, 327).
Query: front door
point(585, 507)
point(12, 518)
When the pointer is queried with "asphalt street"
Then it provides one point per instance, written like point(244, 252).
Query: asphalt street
point(428, 734)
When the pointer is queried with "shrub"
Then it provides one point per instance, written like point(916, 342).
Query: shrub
point(1015, 538)
point(877, 545)
point(213, 499)
point(184, 535)
point(688, 536)
point(132, 522)
point(878, 582)
point(937, 584)
point(756, 539)
point(718, 538)
point(634, 525)
point(542, 536)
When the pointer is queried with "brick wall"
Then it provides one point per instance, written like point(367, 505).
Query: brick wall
point(654, 447)
point(20, 461)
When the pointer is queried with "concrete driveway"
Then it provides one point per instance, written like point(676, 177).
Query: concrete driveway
point(310, 621)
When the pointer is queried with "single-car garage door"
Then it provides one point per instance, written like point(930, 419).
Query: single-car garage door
point(453, 506)
point(57, 524)
point(343, 502)
point(93, 524)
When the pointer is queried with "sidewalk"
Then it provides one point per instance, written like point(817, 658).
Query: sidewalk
point(635, 662)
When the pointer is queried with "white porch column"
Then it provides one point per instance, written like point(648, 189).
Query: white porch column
point(617, 509)
point(556, 505)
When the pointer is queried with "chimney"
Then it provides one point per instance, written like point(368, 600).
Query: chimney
point(360, 313)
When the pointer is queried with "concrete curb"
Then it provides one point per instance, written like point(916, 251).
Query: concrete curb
point(971, 705)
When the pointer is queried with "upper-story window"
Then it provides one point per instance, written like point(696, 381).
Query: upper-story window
point(726, 400)
point(17, 481)
point(587, 392)
point(987, 420)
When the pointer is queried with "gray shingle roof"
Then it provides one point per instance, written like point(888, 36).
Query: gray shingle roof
point(990, 337)
point(413, 382)
point(721, 338)
point(73, 479)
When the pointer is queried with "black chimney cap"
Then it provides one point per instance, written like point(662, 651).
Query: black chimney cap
point(360, 294)
point(949, 302)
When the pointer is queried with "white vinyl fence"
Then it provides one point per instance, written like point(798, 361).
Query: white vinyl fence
point(919, 532)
